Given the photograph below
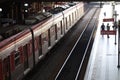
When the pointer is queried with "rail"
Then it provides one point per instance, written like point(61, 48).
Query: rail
point(73, 49)
point(85, 54)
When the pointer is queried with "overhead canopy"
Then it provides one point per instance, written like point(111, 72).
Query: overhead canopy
point(4, 1)
point(9, 2)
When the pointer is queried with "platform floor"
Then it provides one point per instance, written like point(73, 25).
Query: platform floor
point(104, 55)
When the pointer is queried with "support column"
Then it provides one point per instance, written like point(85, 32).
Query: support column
point(119, 46)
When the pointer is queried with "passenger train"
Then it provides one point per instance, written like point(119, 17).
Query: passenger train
point(22, 51)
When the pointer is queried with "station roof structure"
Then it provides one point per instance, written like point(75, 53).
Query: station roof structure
point(4, 1)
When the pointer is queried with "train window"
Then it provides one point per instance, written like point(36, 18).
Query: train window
point(30, 47)
point(58, 28)
point(44, 37)
point(40, 45)
point(70, 20)
point(17, 58)
point(75, 14)
point(6, 65)
point(6, 68)
point(25, 51)
point(78, 12)
point(66, 24)
point(36, 44)
point(55, 32)
point(73, 17)
point(49, 44)
point(61, 27)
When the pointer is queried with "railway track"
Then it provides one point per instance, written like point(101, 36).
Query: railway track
point(71, 69)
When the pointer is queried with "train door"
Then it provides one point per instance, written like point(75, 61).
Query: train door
point(49, 40)
point(58, 25)
point(70, 20)
point(56, 31)
point(75, 15)
point(66, 23)
point(52, 35)
point(45, 41)
point(40, 46)
point(61, 27)
point(6, 69)
point(25, 52)
point(72, 17)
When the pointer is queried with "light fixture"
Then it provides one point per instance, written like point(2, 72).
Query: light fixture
point(26, 10)
point(26, 4)
point(0, 9)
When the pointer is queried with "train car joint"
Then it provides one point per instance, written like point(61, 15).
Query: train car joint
point(33, 46)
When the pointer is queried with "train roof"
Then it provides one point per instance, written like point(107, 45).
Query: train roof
point(56, 10)
point(35, 18)
point(62, 7)
point(8, 30)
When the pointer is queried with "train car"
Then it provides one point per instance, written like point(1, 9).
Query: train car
point(21, 52)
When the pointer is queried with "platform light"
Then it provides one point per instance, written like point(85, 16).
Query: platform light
point(0, 9)
point(26, 11)
point(26, 4)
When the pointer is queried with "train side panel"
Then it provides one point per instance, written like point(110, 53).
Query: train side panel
point(17, 57)
point(59, 30)
point(42, 41)
point(72, 15)
point(1, 70)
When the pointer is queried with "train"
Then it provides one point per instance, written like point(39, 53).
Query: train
point(20, 52)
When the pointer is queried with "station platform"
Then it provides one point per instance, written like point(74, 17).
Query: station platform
point(103, 60)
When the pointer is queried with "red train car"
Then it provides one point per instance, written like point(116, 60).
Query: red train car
point(19, 53)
